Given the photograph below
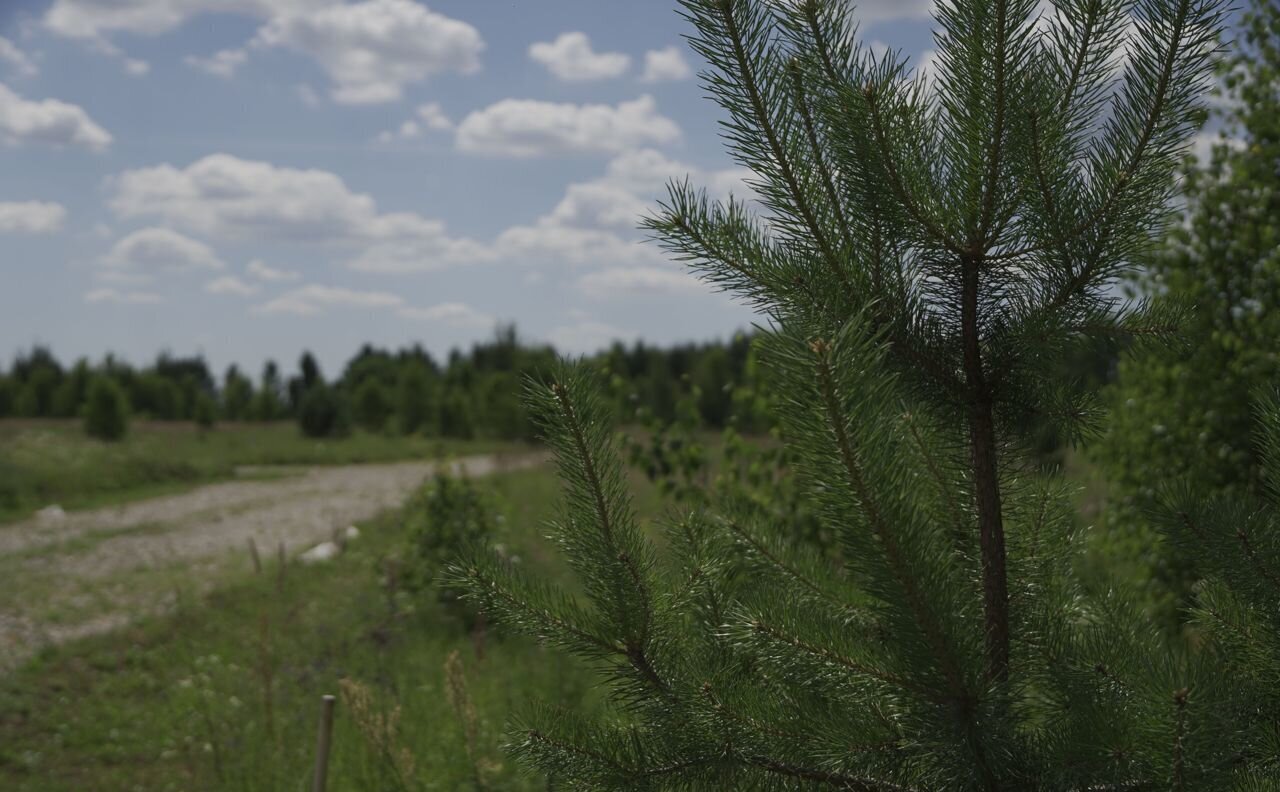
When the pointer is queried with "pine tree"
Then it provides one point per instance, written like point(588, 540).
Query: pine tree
point(925, 248)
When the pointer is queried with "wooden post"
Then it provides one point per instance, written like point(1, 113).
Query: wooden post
point(281, 562)
point(253, 553)
point(323, 740)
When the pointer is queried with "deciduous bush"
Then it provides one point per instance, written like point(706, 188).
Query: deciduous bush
point(323, 412)
point(448, 515)
point(106, 410)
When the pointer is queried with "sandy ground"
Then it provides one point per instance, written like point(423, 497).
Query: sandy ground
point(89, 572)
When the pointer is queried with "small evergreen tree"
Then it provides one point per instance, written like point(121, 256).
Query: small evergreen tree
point(106, 410)
point(932, 248)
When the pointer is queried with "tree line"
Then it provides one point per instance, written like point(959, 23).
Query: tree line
point(469, 393)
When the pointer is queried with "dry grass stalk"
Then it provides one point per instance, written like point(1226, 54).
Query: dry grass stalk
point(380, 728)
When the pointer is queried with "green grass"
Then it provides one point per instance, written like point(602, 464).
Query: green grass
point(45, 462)
point(224, 693)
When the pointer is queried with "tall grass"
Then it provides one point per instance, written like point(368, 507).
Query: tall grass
point(224, 693)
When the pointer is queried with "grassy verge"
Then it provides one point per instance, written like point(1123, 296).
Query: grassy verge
point(223, 693)
point(45, 462)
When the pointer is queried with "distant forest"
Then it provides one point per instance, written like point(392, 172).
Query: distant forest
point(476, 393)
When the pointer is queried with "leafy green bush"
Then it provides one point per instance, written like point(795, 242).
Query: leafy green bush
point(205, 411)
point(446, 516)
point(106, 411)
point(373, 406)
point(324, 413)
point(413, 400)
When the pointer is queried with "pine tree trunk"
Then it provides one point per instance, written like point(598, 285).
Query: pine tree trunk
point(986, 480)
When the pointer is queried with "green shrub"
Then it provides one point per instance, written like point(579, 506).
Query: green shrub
point(445, 517)
point(205, 412)
point(106, 411)
point(413, 400)
point(323, 413)
point(372, 406)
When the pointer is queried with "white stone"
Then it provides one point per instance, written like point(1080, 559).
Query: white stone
point(52, 513)
point(325, 551)
point(352, 532)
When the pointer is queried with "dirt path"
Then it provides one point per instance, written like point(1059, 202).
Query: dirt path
point(88, 572)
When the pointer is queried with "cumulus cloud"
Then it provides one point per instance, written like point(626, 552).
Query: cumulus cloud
point(621, 281)
point(31, 217)
point(232, 198)
point(631, 184)
point(313, 299)
point(373, 49)
point(109, 295)
point(230, 284)
point(21, 63)
point(220, 64)
point(151, 250)
point(665, 65)
point(93, 19)
point(259, 269)
point(595, 221)
point(428, 117)
point(532, 128)
point(48, 121)
point(453, 314)
point(370, 49)
point(570, 58)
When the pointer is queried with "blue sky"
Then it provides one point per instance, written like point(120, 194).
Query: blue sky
point(248, 178)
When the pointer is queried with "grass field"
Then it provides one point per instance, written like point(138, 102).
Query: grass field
point(47, 462)
point(224, 693)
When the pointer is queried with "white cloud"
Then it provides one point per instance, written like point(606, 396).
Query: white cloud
point(373, 49)
point(570, 58)
point(259, 269)
point(160, 250)
point(48, 121)
point(619, 281)
point(230, 284)
point(586, 336)
point(231, 198)
point(93, 19)
point(576, 246)
point(109, 295)
point(596, 221)
point(453, 314)
point(370, 49)
point(632, 183)
point(311, 300)
point(21, 63)
point(531, 128)
point(665, 65)
point(221, 64)
point(31, 217)
point(428, 117)
point(1202, 144)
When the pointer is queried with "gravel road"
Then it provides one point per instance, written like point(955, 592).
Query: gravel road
point(87, 572)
